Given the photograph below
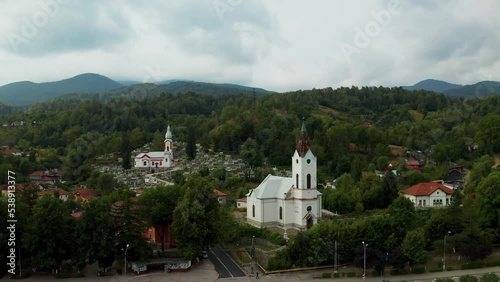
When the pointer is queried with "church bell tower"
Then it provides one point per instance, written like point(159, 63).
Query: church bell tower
point(304, 167)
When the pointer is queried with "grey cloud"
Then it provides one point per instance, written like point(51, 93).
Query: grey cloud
point(77, 26)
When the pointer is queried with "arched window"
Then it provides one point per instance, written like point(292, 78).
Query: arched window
point(253, 210)
point(297, 181)
point(281, 212)
point(308, 181)
point(145, 163)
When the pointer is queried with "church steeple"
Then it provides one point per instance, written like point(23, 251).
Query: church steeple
point(304, 144)
point(304, 162)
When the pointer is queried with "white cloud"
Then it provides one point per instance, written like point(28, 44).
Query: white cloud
point(279, 45)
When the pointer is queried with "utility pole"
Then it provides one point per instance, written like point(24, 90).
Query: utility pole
point(335, 263)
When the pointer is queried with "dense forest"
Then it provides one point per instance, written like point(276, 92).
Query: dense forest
point(353, 132)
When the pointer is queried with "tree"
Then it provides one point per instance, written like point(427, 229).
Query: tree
point(191, 143)
point(196, 224)
point(157, 207)
point(402, 214)
point(250, 153)
point(389, 189)
point(414, 247)
point(50, 233)
point(94, 234)
point(488, 197)
point(488, 133)
point(178, 177)
point(125, 150)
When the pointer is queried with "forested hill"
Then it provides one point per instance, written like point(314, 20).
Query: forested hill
point(482, 88)
point(92, 86)
point(211, 88)
point(433, 85)
point(27, 92)
point(345, 124)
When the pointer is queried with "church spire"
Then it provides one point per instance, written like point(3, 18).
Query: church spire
point(304, 143)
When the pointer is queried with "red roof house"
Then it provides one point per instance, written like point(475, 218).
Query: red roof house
point(428, 194)
point(84, 195)
point(221, 196)
point(63, 194)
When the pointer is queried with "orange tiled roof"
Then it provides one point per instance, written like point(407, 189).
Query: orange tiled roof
point(86, 193)
point(219, 193)
point(52, 191)
point(426, 188)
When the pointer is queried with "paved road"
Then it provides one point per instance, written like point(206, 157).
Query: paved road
point(224, 265)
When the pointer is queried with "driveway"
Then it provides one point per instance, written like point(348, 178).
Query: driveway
point(224, 264)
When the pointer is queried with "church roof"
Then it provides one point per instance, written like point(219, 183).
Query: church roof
point(273, 187)
point(152, 155)
point(304, 144)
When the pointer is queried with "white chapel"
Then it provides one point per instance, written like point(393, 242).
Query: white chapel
point(159, 159)
point(290, 202)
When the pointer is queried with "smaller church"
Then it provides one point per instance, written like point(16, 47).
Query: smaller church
point(155, 160)
point(291, 202)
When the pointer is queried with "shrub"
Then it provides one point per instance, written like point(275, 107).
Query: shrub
point(473, 265)
point(375, 273)
point(490, 277)
point(436, 270)
point(468, 278)
point(326, 275)
point(336, 275)
point(492, 263)
point(351, 274)
point(418, 270)
point(395, 272)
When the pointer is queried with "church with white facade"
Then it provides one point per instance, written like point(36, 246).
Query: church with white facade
point(289, 202)
point(159, 159)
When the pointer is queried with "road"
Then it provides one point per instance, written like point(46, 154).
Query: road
point(224, 265)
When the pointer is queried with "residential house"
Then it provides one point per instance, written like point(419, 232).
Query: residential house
point(49, 177)
point(221, 196)
point(413, 164)
point(62, 194)
point(13, 151)
point(241, 203)
point(454, 178)
point(84, 194)
point(429, 194)
point(5, 190)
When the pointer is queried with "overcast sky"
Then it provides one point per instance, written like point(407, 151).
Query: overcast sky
point(278, 45)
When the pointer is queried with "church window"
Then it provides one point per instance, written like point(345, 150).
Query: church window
point(297, 181)
point(297, 161)
point(308, 181)
point(309, 208)
point(168, 148)
point(145, 163)
point(281, 212)
point(308, 161)
point(253, 210)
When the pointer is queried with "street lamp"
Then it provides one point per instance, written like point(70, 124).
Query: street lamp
point(125, 260)
point(364, 259)
point(444, 250)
